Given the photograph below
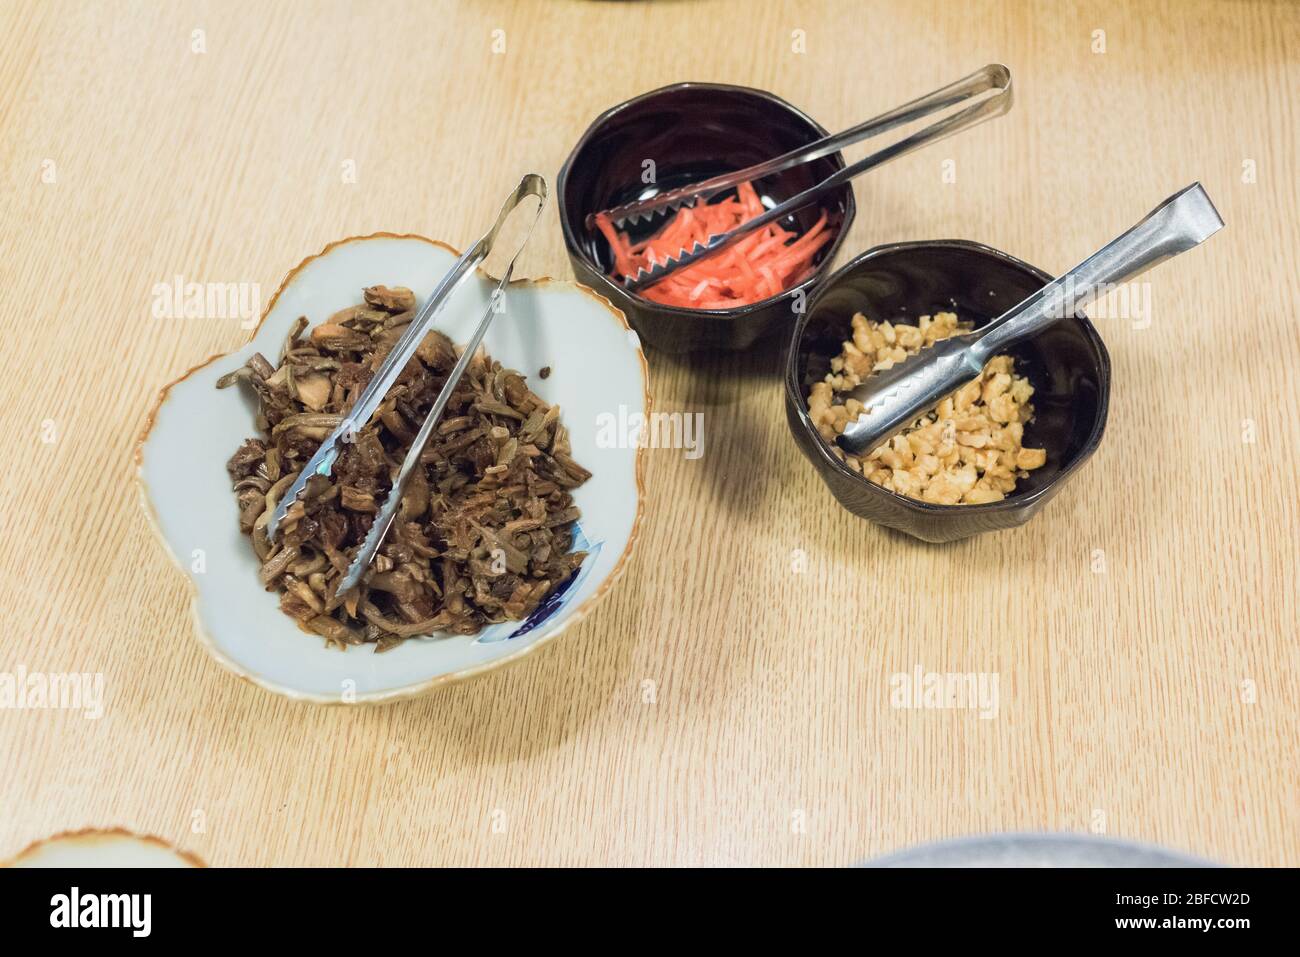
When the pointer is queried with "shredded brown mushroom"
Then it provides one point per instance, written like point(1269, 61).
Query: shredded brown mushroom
point(484, 530)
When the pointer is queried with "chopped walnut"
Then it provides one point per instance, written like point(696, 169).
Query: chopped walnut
point(966, 451)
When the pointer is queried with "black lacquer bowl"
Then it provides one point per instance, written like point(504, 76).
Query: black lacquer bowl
point(691, 131)
point(1066, 363)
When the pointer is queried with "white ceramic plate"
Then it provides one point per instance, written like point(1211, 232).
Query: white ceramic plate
point(100, 848)
point(1036, 850)
point(597, 369)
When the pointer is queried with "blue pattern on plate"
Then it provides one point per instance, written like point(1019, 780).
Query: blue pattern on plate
point(555, 602)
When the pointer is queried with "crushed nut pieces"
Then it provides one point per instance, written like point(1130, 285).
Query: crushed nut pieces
point(967, 451)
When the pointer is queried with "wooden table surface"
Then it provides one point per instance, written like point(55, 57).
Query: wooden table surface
point(730, 701)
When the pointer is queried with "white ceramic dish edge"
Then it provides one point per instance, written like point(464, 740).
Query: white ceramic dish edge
point(1036, 849)
point(103, 847)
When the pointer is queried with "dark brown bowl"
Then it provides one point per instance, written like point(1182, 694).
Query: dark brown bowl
point(1066, 363)
point(693, 131)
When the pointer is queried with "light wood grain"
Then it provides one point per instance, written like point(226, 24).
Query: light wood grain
point(1121, 691)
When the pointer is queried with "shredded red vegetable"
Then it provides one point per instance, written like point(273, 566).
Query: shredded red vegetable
point(762, 264)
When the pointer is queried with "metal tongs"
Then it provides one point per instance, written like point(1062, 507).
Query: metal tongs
point(995, 76)
point(895, 397)
point(322, 463)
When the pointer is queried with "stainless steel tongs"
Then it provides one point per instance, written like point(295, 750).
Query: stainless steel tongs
point(322, 463)
point(995, 76)
point(893, 398)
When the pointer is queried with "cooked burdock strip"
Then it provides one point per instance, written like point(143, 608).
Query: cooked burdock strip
point(484, 531)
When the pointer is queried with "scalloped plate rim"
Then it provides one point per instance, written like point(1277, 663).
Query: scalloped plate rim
point(89, 834)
